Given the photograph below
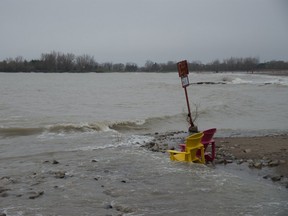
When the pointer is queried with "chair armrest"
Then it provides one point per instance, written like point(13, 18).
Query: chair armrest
point(177, 152)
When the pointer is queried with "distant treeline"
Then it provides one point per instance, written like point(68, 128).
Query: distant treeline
point(59, 62)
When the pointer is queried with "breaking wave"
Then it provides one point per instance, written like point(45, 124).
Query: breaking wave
point(128, 125)
point(240, 79)
point(72, 128)
point(54, 129)
point(257, 80)
point(77, 128)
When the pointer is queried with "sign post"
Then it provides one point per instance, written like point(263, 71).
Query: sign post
point(183, 71)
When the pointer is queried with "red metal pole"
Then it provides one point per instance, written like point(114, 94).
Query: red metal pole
point(188, 106)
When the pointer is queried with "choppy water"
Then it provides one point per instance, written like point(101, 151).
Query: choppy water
point(77, 118)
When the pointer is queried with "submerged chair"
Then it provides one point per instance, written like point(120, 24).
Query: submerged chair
point(193, 145)
point(207, 140)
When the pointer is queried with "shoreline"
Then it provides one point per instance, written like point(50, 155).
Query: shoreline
point(43, 179)
point(266, 155)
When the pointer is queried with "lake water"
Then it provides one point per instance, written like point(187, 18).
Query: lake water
point(105, 117)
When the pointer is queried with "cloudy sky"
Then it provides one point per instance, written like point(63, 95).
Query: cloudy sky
point(122, 31)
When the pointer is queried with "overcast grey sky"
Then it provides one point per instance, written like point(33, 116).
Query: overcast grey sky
point(139, 30)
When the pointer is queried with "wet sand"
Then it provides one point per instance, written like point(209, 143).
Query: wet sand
point(259, 149)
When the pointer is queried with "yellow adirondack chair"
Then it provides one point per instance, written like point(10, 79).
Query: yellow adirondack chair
point(193, 144)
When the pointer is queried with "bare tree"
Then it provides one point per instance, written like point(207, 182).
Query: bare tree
point(85, 63)
point(49, 61)
point(65, 62)
point(118, 67)
point(131, 67)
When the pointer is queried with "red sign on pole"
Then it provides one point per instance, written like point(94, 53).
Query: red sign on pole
point(183, 73)
point(182, 68)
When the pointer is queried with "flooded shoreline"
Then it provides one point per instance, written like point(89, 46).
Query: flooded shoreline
point(136, 180)
point(261, 153)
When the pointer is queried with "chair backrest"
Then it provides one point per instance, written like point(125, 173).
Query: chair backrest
point(193, 140)
point(208, 135)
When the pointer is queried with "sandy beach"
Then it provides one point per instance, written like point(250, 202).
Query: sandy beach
point(267, 154)
point(261, 150)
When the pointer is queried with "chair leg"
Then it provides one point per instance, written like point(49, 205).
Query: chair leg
point(172, 157)
point(213, 151)
point(202, 155)
point(207, 154)
point(208, 157)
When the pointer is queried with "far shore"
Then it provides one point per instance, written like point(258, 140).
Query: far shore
point(263, 72)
